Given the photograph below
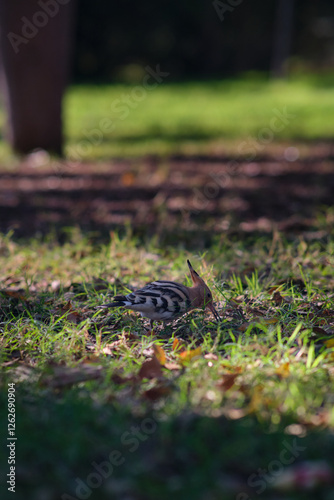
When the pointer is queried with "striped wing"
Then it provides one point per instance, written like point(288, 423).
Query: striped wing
point(160, 300)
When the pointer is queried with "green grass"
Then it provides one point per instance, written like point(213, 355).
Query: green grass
point(223, 116)
point(203, 427)
point(196, 116)
point(216, 425)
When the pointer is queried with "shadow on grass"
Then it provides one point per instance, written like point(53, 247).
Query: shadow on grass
point(176, 198)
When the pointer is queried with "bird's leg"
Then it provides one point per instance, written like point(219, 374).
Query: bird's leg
point(151, 326)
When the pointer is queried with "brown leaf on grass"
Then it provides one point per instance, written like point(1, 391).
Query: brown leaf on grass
point(189, 355)
point(254, 310)
point(327, 313)
point(322, 331)
point(159, 354)
point(283, 371)
point(243, 327)
point(277, 298)
point(74, 317)
point(157, 392)
point(14, 293)
point(71, 315)
point(63, 375)
point(179, 345)
point(151, 368)
point(227, 381)
point(176, 344)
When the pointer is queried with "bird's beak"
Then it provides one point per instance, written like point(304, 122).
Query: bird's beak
point(213, 310)
point(196, 279)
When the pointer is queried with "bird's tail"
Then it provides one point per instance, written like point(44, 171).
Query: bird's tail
point(118, 301)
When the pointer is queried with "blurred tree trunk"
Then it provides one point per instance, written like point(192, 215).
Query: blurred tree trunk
point(35, 50)
point(282, 38)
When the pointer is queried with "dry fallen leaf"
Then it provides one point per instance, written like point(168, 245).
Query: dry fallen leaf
point(107, 350)
point(277, 298)
point(189, 355)
point(15, 294)
point(71, 315)
point(254, 310)
point(176, 343)
point(283, 371)
point(151, 368)
point(157, 392)
point(227, 381)
point(244, 326)
point(159, 354)
point(319, 331)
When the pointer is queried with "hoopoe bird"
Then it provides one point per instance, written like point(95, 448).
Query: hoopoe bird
point(167, 300)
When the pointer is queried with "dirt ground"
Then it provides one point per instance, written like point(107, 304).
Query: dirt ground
point(179, 195)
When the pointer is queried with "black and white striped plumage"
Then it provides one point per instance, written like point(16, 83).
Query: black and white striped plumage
point(167, 300)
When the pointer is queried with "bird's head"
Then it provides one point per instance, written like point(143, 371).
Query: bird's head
point(201, 294)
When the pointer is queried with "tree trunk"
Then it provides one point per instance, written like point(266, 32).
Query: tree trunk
point(35, 49)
